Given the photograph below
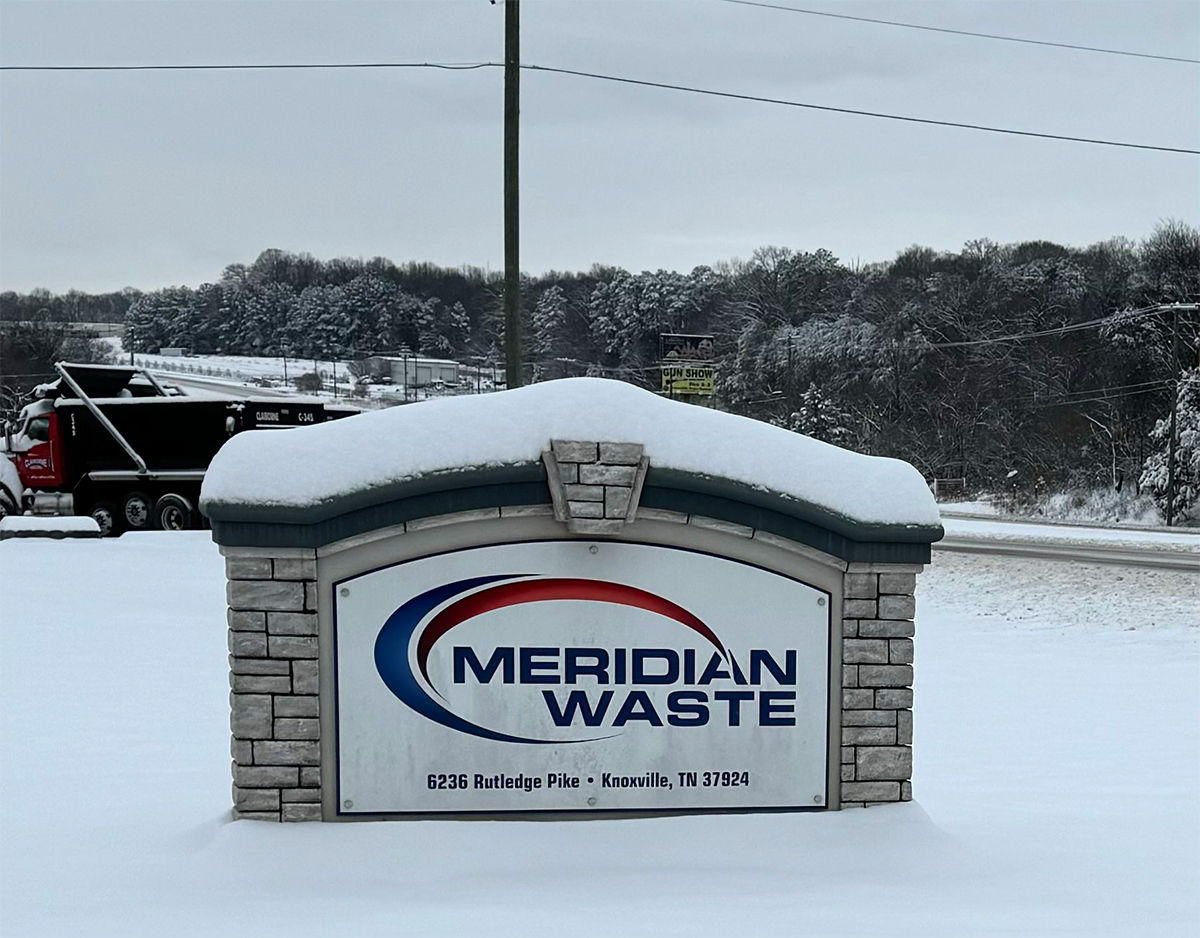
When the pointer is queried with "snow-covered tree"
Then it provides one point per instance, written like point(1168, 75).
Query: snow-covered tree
point(820, 417)
point(1187, 451)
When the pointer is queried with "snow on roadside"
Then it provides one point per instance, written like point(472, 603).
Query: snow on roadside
point(1056, 766)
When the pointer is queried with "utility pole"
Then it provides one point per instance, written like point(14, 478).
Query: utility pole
point(1174, 408)
point(512, 269)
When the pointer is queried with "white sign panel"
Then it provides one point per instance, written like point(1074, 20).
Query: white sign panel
point(577, 675)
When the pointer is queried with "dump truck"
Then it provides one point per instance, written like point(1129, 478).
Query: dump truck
point(115, 443)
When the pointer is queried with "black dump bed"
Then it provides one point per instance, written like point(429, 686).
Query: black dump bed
point(169, 433)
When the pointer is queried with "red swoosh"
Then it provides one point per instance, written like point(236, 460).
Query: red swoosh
point(532, 591)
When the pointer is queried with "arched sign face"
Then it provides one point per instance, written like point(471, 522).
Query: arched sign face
point(576, 675)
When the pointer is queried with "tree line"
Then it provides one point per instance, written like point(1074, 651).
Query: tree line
point(1022, 364)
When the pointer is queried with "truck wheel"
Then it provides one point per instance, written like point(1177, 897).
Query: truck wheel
point(174, 513)
point(136, 511)
point(105, 516)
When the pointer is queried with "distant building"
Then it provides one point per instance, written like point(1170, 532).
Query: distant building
point(414, 371)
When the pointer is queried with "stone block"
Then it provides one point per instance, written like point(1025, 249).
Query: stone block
point(608, 475)
point(621, 454)
point(292, 623)
point(256, 815)
point(301, 796)
point(241, 751)
point(293, 646)
point(568, 474)
point(860, 586)
point(298, 728)
point(874, 567)
point(574, 451)
point(241, 621)
point(248, 568)
point(847, 773)
point(857, 699)
point(885, 628)
point(297, 706)
point(258, 666)
point(278, 595)
point(870, 791)
point(849, 628)
point(725, 527)
point(859, 608)
point(294, 568)
point(256, 799)
point(847, 754)
point(260, 683)
point(265, 776)
point(661, 514)
point(586, 509)
point(897, 607)
point(851, 736)
point(607, 527)
point(616, 501)
point(305, 677)
point(288, 752)
point(903, 727)
point(310, 776)
point(906, 791)
point(310, 589)
point(526, 511)
point(894, 699)
point(250, 716)
point(248, 644)
point(903, 583)
point(302, 812)
point(849, 675)
point(877, 762)
point(885, 675)
point(867, 717)
point(864, 651)
point(900, 651)
point(584, 493)
point(441, 521)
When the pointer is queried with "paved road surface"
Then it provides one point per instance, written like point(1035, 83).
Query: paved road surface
point(1165, 549)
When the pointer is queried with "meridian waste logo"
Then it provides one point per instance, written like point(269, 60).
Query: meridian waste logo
point(410, 633)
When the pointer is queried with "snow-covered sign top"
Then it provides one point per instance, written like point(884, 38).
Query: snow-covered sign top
point(317, 465)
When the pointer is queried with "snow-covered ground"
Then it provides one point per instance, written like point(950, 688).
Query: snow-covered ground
point(254, 371)
point(1057, 760)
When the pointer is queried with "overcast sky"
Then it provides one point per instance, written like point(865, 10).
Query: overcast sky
point(155, 178)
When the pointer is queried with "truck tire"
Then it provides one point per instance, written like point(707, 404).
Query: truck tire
point(136, 511)
point(106, 518)
point(9, 503)
point(174, 513)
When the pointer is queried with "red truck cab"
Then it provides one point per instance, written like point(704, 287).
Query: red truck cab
point(38, 451)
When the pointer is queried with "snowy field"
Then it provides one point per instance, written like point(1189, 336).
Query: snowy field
point(1057, 761)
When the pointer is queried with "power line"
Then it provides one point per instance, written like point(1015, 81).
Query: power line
point(965, 32)
point(710, 92)
point(1126, 316)
point(842, 110)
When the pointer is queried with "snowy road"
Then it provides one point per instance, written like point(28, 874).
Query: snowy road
point(1057, 759)
point(214, 387)
point(1169, 550)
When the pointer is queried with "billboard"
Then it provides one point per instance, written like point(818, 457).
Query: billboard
point(579, 675)
point(674, 347)
point(688, 379)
